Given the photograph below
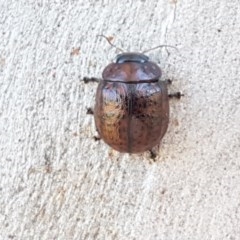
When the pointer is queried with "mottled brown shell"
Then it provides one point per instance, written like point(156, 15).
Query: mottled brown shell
point(132, 110)
point(132, 72)
point(131, 117)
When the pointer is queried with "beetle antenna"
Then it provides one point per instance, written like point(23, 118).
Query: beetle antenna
point(109, 41)
point(160, 46)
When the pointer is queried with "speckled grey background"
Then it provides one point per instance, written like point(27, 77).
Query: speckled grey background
point(56, 182)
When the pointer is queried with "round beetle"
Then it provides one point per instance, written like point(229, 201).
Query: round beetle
point(131, 111)
point(132, 106)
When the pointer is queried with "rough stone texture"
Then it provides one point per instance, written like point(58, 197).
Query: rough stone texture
point(56, 182)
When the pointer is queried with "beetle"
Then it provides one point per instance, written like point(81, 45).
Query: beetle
point(131, 110)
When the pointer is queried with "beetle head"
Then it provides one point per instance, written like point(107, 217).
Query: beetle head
point(131, 57)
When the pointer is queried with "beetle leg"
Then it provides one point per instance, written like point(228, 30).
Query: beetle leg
point(153, 154)
point(90, 111)
point(168, 81)
point(96, 138)
point(177, 95)
point(90, 79)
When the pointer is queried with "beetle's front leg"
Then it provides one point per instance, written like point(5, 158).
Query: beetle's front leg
point(177, 95)
point(168, 81)
point(96, 138)
point(90, 79)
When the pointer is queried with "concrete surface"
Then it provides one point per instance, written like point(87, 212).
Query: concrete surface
point(57, 183)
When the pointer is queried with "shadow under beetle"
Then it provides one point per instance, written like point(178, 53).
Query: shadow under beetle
point(132, 106)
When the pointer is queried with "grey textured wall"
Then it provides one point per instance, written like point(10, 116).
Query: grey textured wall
point(56, 182)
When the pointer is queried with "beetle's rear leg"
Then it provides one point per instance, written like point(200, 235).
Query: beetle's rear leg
point(97, 138)
point(177, 95)
point(153, 155)
point(90, 79)
point(91, 112)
